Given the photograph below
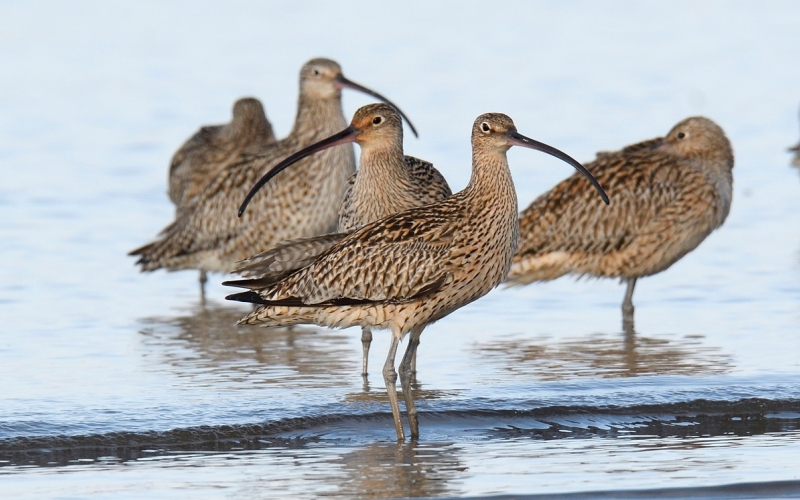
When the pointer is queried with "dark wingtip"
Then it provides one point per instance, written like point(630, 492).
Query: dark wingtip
point(249, 297)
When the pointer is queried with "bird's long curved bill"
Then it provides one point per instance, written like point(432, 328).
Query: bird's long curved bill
point(343, 137)
point(344, 82)
point(518, 139)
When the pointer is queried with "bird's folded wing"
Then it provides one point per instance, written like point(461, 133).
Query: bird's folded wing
point(286, 257)
point(395, 259)
point(571, 218)
point(429, 177)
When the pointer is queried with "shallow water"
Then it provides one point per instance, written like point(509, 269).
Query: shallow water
point(119, 384)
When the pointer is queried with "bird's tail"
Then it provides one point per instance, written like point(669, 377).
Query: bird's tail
point(529, 268)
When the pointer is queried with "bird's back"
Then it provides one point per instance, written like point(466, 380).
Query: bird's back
point(302, 202)
point(662, 206)
point(210, 150)
point(424, 185)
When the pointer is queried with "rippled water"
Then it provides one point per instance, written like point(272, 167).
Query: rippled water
point(118, 384)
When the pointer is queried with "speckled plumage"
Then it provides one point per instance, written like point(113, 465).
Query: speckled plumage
point(667, 195)
point(212, 148)
point(305, 202)
point(409, 269)
point(290, 255)
point(385, 183)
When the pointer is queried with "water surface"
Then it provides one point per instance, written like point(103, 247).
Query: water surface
point(120, 384)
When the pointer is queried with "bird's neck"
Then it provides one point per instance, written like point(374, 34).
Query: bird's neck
point(318, 118)
point(491, 177)
point(383, 166)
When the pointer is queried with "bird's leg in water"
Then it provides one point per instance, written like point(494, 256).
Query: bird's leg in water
point(406, 375)
point(366, 340)
point(390, 377)
point(203, 279)
point(627, 305)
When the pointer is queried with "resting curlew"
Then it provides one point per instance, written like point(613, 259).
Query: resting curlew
point(214, 147)
point(386, 182)
point(669, 194)
point(412, 268)
point(208, 236)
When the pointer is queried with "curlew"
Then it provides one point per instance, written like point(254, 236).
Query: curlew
point(669, 194)
point(208, 236)
point(214, 147)
point(386, 182)
point(412, 268)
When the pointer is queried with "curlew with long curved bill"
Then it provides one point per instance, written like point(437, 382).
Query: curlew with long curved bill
point(412, 268)
point(669, 194)
point(385, 183)
point(208, 236)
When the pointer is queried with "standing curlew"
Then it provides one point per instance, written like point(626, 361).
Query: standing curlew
point(386, 182)
point(214, 147)
point(669, 194)
point(412, 268)
point(208, 236)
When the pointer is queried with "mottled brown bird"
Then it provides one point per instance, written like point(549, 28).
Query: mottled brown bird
point(668, 194)
point(208, 236)
point(386, 182)
point(410, 269)
point(214, 147)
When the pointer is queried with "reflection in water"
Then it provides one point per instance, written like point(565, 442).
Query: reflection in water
point(205, 345)
point(401, 470)
point(604, 355)
point(377, 393)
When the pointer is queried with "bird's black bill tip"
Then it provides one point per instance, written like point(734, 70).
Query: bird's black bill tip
point(345, 83)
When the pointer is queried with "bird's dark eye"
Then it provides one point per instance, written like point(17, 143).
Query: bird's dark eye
point(316, 72)
point(377, 120)
point(485, 127)
point(681, 135)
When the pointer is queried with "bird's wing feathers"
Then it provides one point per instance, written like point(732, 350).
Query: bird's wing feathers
point(286, 257)
point(398, 258)
point(347, 210)
point(201, 139)
point(429, 178)
point(639, 183)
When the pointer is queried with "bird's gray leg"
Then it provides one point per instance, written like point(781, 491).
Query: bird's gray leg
point(627, 305)
point(406, 374)
point(366, 340)
point(203, 279)
point(390, 377)
point(414, 359)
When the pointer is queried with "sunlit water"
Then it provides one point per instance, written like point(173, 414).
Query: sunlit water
point(118, 384)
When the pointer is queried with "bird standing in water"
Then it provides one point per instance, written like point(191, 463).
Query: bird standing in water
point(668, 195)
point(386, 182)
point(412, 268)
point(208, 236)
